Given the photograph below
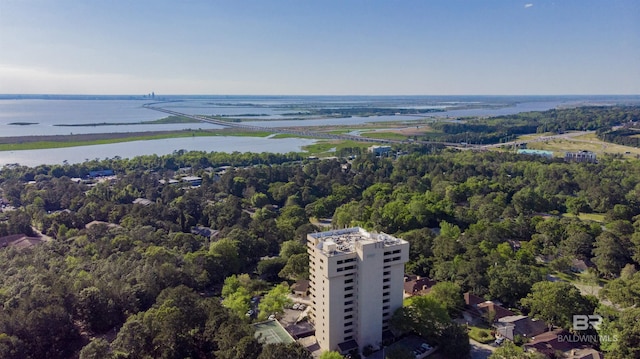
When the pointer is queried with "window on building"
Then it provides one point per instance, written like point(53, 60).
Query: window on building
point(348, 331)
point(349, 302)
point(385, 294)
point(349, 295)
point(348, 288)
point(347, 281)
point(348, 338)
point(386, 280)
point(385, 300)
point(386, 273)
point(348, 324)
point(385, 307)
point(385, 287)
point(348, 310)
point(348, 316)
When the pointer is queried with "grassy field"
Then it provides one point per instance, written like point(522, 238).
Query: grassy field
point(587, 142)
point(481, 334)
point(596, 217)
point(46, 142)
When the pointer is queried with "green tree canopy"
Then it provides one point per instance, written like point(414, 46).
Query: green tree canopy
point(557, 302)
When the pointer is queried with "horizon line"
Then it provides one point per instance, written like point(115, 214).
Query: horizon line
point(316, 95)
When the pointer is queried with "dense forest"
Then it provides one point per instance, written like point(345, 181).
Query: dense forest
point(139, 284)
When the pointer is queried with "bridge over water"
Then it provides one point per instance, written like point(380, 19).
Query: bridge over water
point(296, 132)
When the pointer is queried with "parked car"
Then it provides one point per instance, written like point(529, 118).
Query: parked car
point(425, 346)
point(302, 306)
point(296, 306)
point(249, 313)
point(272, 317)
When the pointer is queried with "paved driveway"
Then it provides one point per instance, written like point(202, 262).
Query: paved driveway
point(479, 350)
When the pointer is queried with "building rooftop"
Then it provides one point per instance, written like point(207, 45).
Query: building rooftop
point(343, 240)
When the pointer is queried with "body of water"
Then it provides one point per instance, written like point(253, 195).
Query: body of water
point(47, 112)
point(160, 147)
point(47, 115)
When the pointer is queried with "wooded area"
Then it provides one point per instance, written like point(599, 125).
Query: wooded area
point(493, 223)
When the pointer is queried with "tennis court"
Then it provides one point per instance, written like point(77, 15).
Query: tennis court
point(272, 332)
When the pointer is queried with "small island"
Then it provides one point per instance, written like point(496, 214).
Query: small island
point(22, 123)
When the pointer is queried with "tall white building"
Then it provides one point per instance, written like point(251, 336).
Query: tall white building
point(356, 281)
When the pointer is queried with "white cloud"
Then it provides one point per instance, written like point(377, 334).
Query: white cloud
point(526, 6)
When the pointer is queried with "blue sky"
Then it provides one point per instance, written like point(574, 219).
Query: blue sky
point(393, 47)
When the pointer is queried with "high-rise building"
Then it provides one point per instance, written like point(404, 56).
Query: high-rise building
point(356, 283)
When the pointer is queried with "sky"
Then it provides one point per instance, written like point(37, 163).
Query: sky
point(320, 47)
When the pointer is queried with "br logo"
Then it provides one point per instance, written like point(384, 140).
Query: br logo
point(584, 322)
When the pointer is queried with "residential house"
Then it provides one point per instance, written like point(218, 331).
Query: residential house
point(416, 285)
point(479, 309)
point(300, 288)
point(510, 326)
point(580, 265)
point(562, 341)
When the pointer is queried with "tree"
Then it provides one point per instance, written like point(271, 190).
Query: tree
point(227, 251)
point(297, 267)
point(578, 244)
point(330, 355)
point(508, 350)
point(622, 335)
point(557, 302)
point(274, 301)
point(259, 200)
point(268, 269)
point(284, 351)
point(512, 281)
point(454, 341)
point(95, 309)
point(238, 301)
point(290, 248)
point(422, 315)
point(610, 254)
point(449, 295)
point(623, 291)
point(96, 349)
